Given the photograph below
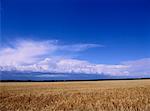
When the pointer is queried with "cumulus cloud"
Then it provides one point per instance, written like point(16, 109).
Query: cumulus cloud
point(35, 56)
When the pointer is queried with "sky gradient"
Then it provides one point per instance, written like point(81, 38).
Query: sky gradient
point(77, 36)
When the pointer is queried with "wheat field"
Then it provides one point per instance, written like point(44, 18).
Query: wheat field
point(120, 95)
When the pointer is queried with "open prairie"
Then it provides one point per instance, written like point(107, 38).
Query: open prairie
point(120, 95)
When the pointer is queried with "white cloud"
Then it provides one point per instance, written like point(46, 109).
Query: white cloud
point(25, 52)
point(139, 67)
point(39, 56)
point(79, 47)
point(29, 52)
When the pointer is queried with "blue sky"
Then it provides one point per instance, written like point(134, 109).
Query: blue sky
point(109, 31)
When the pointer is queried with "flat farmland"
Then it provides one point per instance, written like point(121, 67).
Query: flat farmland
point(120, 95)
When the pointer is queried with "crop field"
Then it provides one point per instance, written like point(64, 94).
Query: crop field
point(120, 95)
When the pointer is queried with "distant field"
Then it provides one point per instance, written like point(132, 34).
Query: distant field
point(123, 95)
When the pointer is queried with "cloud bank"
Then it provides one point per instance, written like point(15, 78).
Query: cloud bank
point(35, 56)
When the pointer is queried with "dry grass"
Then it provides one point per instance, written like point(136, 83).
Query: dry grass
point(76, 96)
